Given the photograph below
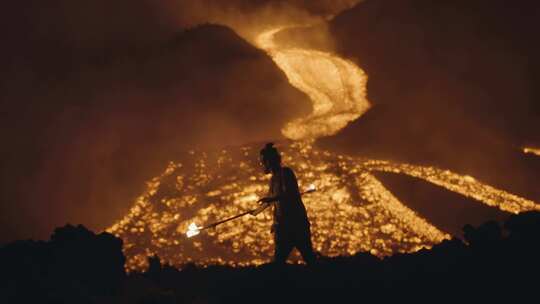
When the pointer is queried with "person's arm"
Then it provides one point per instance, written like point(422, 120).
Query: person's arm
point(269, 199)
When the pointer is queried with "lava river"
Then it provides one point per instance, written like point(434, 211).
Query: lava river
point(350, 212)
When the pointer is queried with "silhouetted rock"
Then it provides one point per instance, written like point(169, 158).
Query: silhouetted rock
point(76, 266)
point(523, 225)
point(486, 234)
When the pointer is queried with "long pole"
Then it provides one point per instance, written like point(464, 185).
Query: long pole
point(226, 220)
point(253, 212)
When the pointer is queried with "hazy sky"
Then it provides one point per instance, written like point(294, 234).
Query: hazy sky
point(97, 96)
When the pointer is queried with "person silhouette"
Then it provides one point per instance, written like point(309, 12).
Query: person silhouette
point(291, 227)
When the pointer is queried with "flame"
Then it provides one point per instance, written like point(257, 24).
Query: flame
point(193, 230)
point(311, 188)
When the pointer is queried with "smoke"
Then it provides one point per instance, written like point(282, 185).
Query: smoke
point(97, 97)
point(452, 85)
point(250, 17)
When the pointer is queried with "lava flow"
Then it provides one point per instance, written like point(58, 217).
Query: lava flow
point(351, 211)
point(336, 87)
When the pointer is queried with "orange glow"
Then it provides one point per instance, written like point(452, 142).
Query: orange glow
point(337, 87)
point(535, 151)
point(350, 211)
point(193, 230)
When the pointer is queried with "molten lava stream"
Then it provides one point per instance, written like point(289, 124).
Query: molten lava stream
point(337, 87)
point(351, 210)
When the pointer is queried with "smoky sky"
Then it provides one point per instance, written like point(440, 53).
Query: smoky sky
point(453, 83)
point(98, 96)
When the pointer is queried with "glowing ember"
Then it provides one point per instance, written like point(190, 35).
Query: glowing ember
point(535, 151)
point(311, 188)
point(193, 230)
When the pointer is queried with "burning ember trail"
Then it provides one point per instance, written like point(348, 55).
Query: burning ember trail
point(351, 210)
point(535, 151)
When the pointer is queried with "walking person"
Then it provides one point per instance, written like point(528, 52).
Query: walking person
point(291, 227)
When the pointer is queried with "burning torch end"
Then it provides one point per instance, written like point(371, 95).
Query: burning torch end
point(310, 189)
point(193, 230)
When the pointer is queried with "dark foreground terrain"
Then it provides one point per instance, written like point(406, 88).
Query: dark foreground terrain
point(495, 262)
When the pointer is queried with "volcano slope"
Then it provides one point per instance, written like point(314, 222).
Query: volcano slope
point(350, 212)
point(353, 212)
point(451, 73)
point(93, 128)
point(451, 85)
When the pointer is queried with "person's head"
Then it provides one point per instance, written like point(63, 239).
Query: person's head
point(270, 158)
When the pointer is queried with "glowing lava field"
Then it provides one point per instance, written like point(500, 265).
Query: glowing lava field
point(351, 210)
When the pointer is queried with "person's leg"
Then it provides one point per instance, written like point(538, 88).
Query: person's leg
point(282, 247)
point(304, 245)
